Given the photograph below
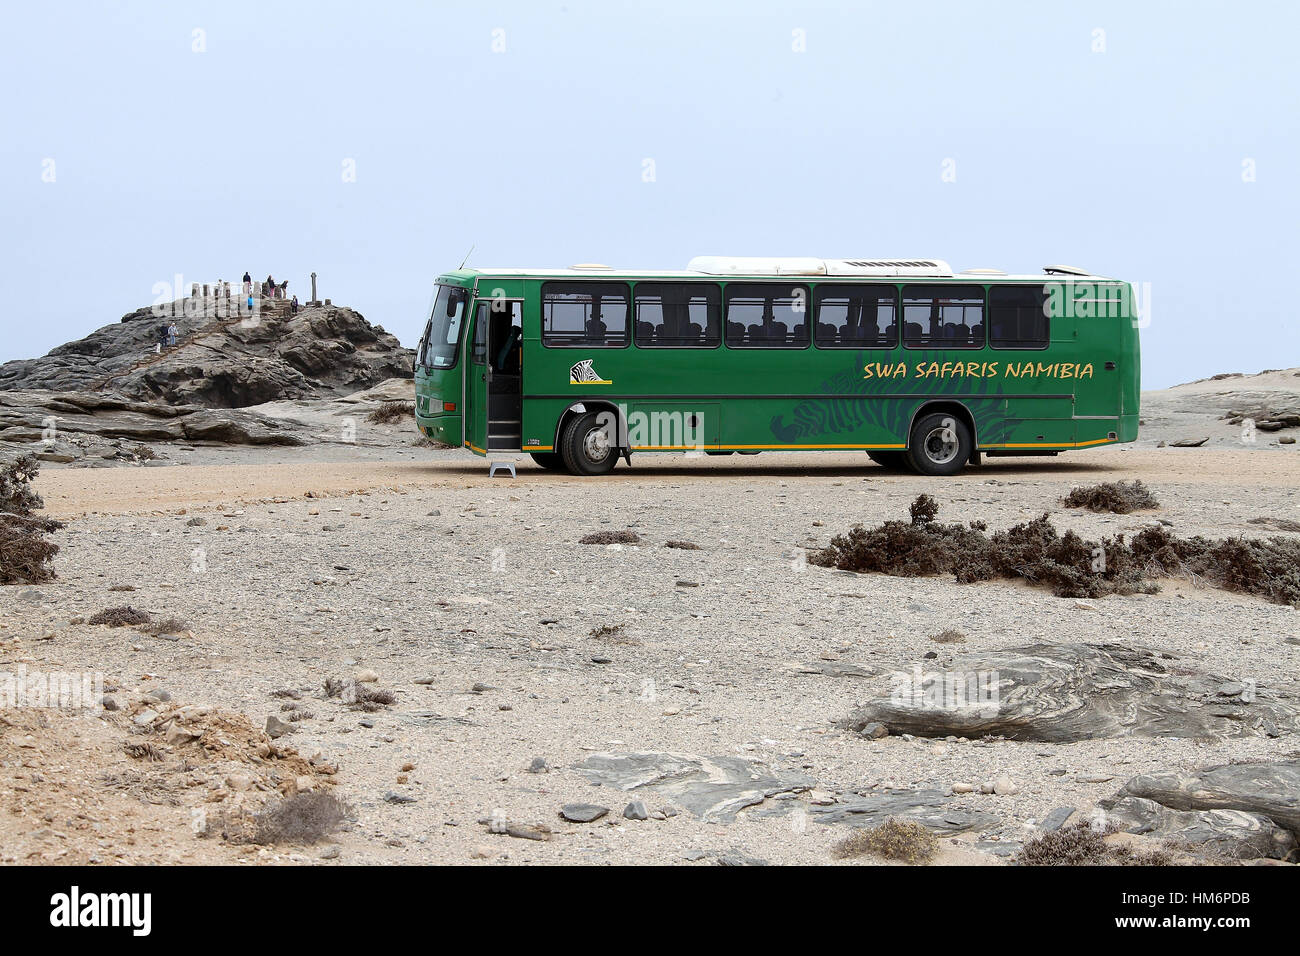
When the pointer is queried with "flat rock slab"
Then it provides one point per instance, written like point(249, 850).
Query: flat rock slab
point(1268, 788)
point(1230, 833)
point(933, 809)
point(582, 812)
point(712, 788)
point(1070, 692)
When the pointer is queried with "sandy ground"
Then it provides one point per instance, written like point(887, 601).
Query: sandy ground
point(71, 492)
point(438, 579)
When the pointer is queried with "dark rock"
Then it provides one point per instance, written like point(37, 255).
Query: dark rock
point(933, 809)
point(636, 811)
point(1056, 819)
point(1268, 788)
point(1068, 692)
point(582, 812)
point(1231, 833)
point(712, 788)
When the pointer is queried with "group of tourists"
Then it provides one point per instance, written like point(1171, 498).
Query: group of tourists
point(270, 289)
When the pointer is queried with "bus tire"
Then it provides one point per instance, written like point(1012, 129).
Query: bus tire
point(585, 446)
point(551, 461)
point(940, 444)
point(893, 460)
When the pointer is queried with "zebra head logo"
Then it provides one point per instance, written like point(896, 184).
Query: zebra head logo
point(584, 373)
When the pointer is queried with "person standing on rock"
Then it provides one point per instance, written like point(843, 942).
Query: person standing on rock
point(293, 306)
point(269, 289)
point(248, 283)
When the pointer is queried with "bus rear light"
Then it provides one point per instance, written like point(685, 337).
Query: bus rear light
point(448, 406)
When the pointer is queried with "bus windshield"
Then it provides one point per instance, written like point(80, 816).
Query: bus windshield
point(442, 334)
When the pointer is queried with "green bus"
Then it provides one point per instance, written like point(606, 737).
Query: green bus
point(916, 365)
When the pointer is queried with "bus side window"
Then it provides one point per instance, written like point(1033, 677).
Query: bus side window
point(1018, 317)
point(943, 317)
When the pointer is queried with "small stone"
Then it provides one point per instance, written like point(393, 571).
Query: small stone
point(196, 522)
point(874, 731)
point(392, 797)
point(636, 811)
point(582, 812)
point(963, 788)
point(1095, 778)
point(275, 727)
point(330, 853)
point(145, 718)
point(366, 676)
point(108, 703)
point(480, 852)
point(1005, 787)
point(538, 765)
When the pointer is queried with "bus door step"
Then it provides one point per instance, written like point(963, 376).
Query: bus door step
point(508, 465)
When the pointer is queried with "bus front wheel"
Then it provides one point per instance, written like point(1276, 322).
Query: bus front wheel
point(940, 445)
point(549, 460)
point(586, 445)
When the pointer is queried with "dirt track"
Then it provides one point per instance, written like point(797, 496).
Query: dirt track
point(123, 491)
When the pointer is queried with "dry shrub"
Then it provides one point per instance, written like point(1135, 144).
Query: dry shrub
point(901, 840)
point(124, 616)
point(1268, 568)
point(1068, 564)
point(1281, 524)
point(168, 625)
point(949, 636)
point(607, 630)
point(25, 554)
point(1117, 497)
point(358, 695)
point(390, 412)
point(143, 751)
point(682, 545)
point(611, 537)
point(302, 818)
point(1080, 844)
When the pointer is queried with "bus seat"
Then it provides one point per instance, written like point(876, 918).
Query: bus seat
point(735, 332)
point(595, 329)
point(829, 334)
point(645, 332)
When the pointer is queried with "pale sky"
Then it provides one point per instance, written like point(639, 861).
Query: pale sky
point(375, 143)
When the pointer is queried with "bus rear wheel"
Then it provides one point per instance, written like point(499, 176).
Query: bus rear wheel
point(940, 444)
point(586, 446)
point(549, 460)
point(893, 460)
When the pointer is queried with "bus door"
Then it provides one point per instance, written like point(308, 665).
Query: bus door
point(476, 384)
point(498, 344)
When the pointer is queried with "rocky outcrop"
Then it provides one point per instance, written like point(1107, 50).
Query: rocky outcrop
point(48, 421)
point(221, 361)
point(1264, 787)
point(1226, 833)
point(1068, 692)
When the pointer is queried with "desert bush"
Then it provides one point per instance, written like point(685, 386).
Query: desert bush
point(1081, 844)
point(682, 545)
point(390, 412)
point(25, 554)
point(1033, 551)
point(611, 537)
point(1117, 497)
point(1281, 524)
point(901, 840)
point(949, 636)
point(124, 616)
point(359, 695)
point(168, 625)
point(302, 818)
